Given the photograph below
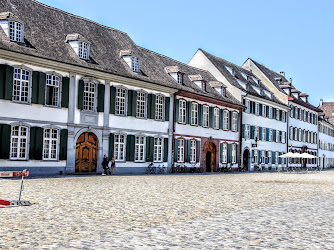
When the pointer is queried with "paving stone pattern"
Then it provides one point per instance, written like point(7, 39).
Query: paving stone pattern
point(244, 210)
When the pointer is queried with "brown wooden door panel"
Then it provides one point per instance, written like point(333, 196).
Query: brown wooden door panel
point(86, 153)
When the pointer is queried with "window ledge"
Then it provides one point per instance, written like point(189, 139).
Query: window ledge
point(19, 102)
point(51, 106)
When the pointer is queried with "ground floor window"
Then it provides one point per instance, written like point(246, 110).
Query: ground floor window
point(180, 151)
point(119, 147)
point(50, 145)
point(224, 153)
point(19, 140)
point(158, 149)
point(193, 151)
point(140, 148)
point(234, 153)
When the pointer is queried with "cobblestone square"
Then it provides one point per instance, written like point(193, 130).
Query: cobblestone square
point(237, 210)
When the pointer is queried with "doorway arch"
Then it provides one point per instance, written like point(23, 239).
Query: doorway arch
point(209, 157)
point(86, 153)
point(245, 159)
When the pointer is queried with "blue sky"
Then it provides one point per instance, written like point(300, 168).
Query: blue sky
point(294, 36)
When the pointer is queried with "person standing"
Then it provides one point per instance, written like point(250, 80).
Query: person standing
point(112, 165)
point(105, 165)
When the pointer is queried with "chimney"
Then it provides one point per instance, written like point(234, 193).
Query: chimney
point(282, 73)
point(290, 80)
point(321, 102)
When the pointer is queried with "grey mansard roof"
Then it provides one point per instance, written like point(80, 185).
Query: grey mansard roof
point(46, 30)
point(221, 65)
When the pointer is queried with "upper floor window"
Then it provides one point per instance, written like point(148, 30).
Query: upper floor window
point(216, 118)
point(283, 116)
point(264, 110)
point(15, 31)
point(50, 145)
point(119, 147)
point(159, 107)
point(256, 132)
point(135, 65)
point(79, 44)
point(21, 86)
point(120, 101)
point(277, 114)
point(19, 143)
point(270, 135)
point(247, 131)
point(141, 104)
point(256, 108)
point(84, 50)
point(12, 27)
point(270, 112)
point(247, 106)
point(205, 116)
point(225, 120)
point(52, 92)
point(283, 137)
point(193, 151)
point(179, 78)
point(264, 134)
point(140, 148)
point(234, 121)
point(194, 113)
point(182, 111)
point(278, 136)
point(89, 98)
point(158, 149)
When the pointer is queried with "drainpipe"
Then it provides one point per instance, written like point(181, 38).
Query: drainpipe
point(171, 130)
point(240, 138)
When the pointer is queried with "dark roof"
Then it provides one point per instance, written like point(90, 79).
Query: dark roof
point(328, 110)
point(284, 83)
point(46, 29)
point(221, 65)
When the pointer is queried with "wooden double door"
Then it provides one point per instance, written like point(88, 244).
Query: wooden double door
point(86, 153)
point(209, 157)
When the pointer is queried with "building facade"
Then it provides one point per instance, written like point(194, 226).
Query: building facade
point(326, 143)
point(264, 121)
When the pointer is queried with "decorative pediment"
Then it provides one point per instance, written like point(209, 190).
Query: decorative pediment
point(196, 78)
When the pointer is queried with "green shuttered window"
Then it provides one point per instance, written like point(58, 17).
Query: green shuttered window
point(4, 141)
point(100, 97)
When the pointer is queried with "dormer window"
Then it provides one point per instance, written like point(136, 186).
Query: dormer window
point(219, 87)
point(175, 72)
point(13, 28)
point(230, 70)
point(84, 50)
point(80, 45)
point(132, 60)
point(199, 81)
point(179, 78)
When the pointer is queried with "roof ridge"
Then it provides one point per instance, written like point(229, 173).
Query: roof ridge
point(79, 17)
point(187, 65)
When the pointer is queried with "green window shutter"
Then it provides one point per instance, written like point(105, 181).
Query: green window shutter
point(176, 144)
point(260, 133)
point(187, 151)
point(266, 154)
point(238, 153)
point(259, 153)
point(9, 82)
point(279, 158)
point(177, 110)
point(274, 135)
point(32, 144)
point(229, 153)
point(274, 113)
point(134, 103)
point(267, 134)
point(211, 117)
point(5, 132)
point(239, 121)
point(188, 112)
point(112, 99)
point(167, 101)
point(220, 152)
point(100, 97)
point(243, 130)
point(252, 129)
point(39, 144)
point(63, 144)
point(149, 106)
point(221, 118)
point(281, 115)
point(165, 149)
point(35, 86)
point(130, 101)
point(251, 107)
point(151, 149)
point(41, 88)
point(130, 147)
point(230, 118)
point(80, 94)
point(147, 151)
point(65, 88)
point(252, 160)
point(273, 157)
point(153, 107)
point(260, 109)
point(2, 80)
point(198, 151)
point(200, 115)
point(267, 111)
point(111, 145)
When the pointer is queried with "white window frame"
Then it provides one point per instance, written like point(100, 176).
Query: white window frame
point(135, 64)
point(224, 160)
point(283, 116)
point(193, 151)
point(256, 132)
point(234, 121)
point(19, 142)
point(263, 157)
point(264, 110)
point(276, 157)
point(158, 149)
point(234, 153)
point(277, 114)
point(22, 84)
point(53, 81)
point(194, 113)
point(270, 113)
point(83, 51)
point(256, 160)
point(270, 134)
point(182, 111)
point(50, 144)
point(141, 104)
point(216, 112)
point(295, 134)
point(206, 115)
point(264, 134)
point(159, 107)
point(180, 78)
point(119, 147)
point(277, 136)
point(270, 157)
point(140, 148)
point(247, 131)
point(16, 31)
point(257, 108)
point(247, 106)
point(121, 101)
point(90, 96)
point(180, 150)
point(226, 118)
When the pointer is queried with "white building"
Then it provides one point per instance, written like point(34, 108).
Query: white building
point(303, 116)
point(264, 121)
point(326, 143)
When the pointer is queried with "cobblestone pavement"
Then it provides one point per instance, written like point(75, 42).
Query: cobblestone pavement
point(244, 210)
